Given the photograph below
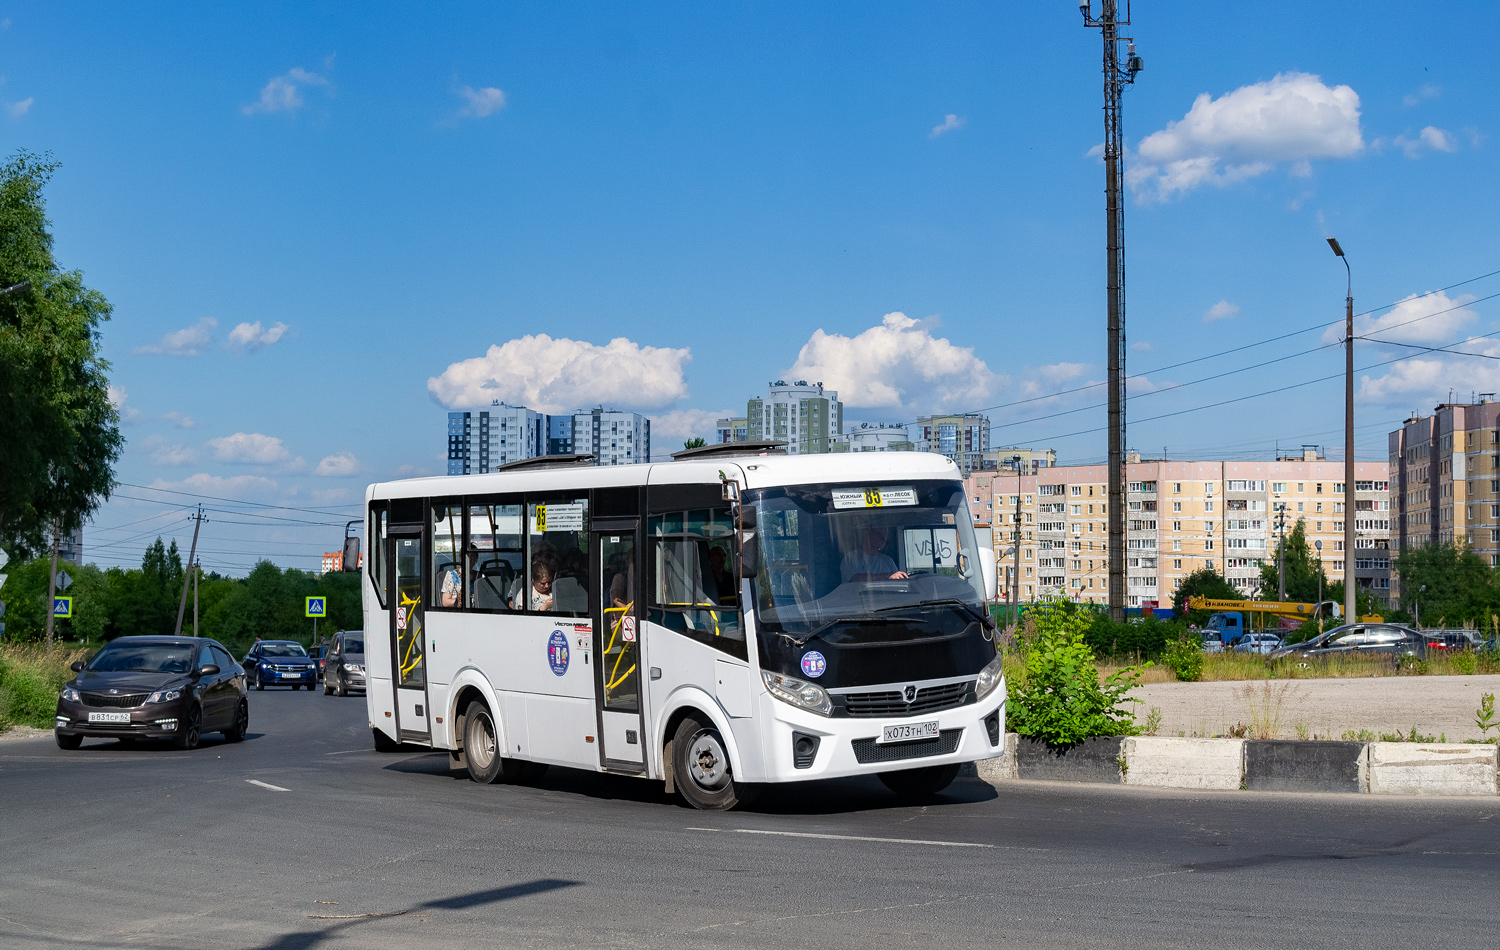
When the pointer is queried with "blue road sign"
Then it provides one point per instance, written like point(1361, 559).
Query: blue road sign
point(62, 606)
point(317, 607)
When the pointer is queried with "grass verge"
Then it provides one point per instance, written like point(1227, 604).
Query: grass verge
point(30, 679)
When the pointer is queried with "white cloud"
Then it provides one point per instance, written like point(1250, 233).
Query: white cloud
point(284, 93)
point(17, 110)
point(165, 452)
point(480, 102)
point(1425, 380)
point(249, 487)
point(669, 430)
point(1140, 346)
point(949, 123)
point(250, 336)
point(180, 421)
point(339, 465)
point(898, 365)
point(189, 341)
point(1222, 310)
point(1426, 91)
point(1058, 373)
point(1421, 318)
point(251, 448)
point(1431, 137)
point(555, 375)
point(128, 414)
point(1293, 117)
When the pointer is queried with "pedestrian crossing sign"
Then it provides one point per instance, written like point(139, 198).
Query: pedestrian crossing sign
point(62, 606)
point(317, 607)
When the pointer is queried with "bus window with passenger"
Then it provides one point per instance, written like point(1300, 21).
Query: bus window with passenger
point(557, 580)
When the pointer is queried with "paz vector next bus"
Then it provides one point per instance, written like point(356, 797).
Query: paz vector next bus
point(734, 617)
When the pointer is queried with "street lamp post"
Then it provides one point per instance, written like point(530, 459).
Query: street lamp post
point(1417, 606)
point(1319, 608)
point(1349, 500)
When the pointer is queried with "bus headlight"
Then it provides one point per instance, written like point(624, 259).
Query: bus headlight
point(802, 694)
point(989, 678)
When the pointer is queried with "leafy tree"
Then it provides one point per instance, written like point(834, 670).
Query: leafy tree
point(1302, 568)
point(58, 427)
point(697, 442)
point(1459, 585)
point(1204, 582)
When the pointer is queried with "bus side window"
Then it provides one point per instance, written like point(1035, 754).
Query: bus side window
point(375, 557)
point(557, 572)
point(447, 541)
point(692, 585)
point(496, 557)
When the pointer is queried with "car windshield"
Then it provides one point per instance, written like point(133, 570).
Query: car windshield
point(354, 646)
point(282, 649)
point(121, 657)
point(863, 552)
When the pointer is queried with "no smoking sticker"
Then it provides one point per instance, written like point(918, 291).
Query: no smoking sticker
point(628, 629)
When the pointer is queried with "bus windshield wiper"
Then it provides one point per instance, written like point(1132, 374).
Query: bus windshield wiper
point(983, 620)
point(823, 626)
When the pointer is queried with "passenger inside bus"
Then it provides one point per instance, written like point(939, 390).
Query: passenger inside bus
point(541, 584)
point(452, 585)
point(723, 582)
point(870, 562)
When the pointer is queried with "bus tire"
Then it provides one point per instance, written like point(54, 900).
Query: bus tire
point(700, 767)
point(917, 784)
point(384, 743)
point(481, 744)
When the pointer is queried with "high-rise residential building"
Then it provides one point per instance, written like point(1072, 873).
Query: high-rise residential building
point(1445, 479)
point(803, 415)
point(874, 437)
point(612, 437)
point(963, 438)
point(482, 440)
point(70, 547)
point(732, 430)
point(1181, 517)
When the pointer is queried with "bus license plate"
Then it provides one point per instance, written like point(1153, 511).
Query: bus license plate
point(109, 717)
point(910, 730)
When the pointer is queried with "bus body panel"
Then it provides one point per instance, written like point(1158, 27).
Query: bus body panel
point(696, 698)
point(447, 734)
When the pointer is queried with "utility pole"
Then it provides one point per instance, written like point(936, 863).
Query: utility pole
point(197, 569)
point(1281, 551)
point(1115, 80)
point(1349, 501)
point(192, 559)
point(52, 582)
point(1016, 539)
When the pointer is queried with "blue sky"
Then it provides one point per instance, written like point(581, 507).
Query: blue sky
point(305, 214)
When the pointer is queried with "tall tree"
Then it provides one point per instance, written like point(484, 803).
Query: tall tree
point(58, 428)
point(1204, 582)
point(1302, 569)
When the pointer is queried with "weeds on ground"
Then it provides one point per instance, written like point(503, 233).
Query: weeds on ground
point(1365, 735)
point(1484, 716)
point(1184, 656)
point(1266, 701)
point(30, 679)
point(1153, 719)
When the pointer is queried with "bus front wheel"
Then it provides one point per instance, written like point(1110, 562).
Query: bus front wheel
point(701, 770)
point(920, 783)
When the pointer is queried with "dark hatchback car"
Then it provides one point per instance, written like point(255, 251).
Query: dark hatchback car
point(1357, 639)
point(154, 688)
point(346, 663)
point(280, 663)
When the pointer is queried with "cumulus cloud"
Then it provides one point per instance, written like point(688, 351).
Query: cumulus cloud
point(555, 375)
point(669, 430)
point(898, 365)
point(163, 451)
point(17, 110)
point(284, 93)
point(250, 487)
point(251, 448)
point(128, 414)
point(1423, 92)
point(339, 465)
point(251, 336)
point(1140, 346)
point(1430, 138)
point(1293, 117)
point(479, 102)
point(180, 421)
point(1423, 381)
point(1058, 373)
point(189, 341)
point(1222, 310)
point(1432, 319)
point(949, 123)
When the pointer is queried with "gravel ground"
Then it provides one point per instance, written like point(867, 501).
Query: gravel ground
point(1435, 705)
point(23, 732)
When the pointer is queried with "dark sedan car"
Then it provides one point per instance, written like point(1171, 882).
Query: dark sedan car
point(280, 663)
point(154, 688)
point(1357, 639)
point(346, 663)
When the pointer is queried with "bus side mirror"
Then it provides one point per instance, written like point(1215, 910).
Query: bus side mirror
point(989, 571)
point(351, 555)
point(749, 555)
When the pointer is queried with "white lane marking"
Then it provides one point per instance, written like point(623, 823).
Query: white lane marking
point(346, 752)
point(274, 788)
point(808, 834)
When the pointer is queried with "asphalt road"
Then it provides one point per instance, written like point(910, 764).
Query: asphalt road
point(117, 847)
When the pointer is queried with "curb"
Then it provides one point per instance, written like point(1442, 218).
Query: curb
point(1273, 765)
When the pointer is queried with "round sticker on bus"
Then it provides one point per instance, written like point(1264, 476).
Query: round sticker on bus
point(557, 652)
point(813, 664)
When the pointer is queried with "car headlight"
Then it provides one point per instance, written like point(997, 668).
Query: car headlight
point(164, 696)
point(989, 678)
point(799, 693)
point(69, 694)
point(356, 668)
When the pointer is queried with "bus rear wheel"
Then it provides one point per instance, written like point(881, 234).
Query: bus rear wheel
point(701, 770)
point(920, 783)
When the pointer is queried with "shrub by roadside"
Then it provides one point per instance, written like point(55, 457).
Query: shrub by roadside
point(30, 680)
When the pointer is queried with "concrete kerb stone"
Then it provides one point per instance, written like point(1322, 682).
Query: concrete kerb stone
point(1092, 760)
point(1413, 768)
point(1171, 762)
point(1295, 765)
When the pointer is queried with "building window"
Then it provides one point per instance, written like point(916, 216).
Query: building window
point(1176, 563)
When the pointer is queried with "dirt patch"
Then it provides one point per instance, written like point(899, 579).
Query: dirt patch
point(24, 732)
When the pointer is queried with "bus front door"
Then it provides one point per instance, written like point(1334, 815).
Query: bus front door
point(408, 639)
point(617, 675)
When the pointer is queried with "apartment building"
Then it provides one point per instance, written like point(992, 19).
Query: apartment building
point(874, 437)
point(803, 415)
point(963, 438)
point(482, 440)
point(1180, 517)
point(1444, 473)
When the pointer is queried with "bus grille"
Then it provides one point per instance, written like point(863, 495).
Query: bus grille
point(126, 701)
point(869, 752)
point(888, 703)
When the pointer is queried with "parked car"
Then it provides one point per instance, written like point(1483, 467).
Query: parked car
point(1261, 643)
point(1211, 641)
point(319, 654)
point(1357, 639)
point(346, 663)
point(280, 663)
point(154, 688)
point(1454, 640)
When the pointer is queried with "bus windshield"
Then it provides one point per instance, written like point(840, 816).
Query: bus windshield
point(834, 553)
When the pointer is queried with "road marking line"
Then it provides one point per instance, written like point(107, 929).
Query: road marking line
point(274, 788)
point(808, 834)
point(346, 752)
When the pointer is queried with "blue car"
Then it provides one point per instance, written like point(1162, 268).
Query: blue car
point(280, 663)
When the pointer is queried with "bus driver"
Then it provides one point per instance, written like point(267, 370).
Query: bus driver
point(870, 562)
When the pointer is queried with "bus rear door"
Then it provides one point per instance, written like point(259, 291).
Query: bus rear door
point(409, 634)
point(615, 558)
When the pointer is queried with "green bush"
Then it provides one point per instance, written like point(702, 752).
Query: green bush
point(30, 679)
point(1058, 699)
point(1184, 656)
point(1145, 637)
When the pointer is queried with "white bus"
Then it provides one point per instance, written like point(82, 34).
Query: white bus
point(733, 617)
